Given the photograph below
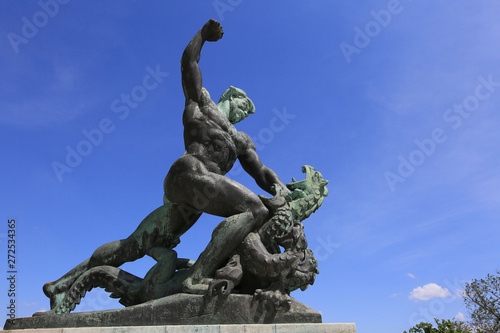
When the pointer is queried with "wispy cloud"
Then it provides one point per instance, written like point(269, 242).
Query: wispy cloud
point(44, 98)
point(41, 112)
point(29, 304)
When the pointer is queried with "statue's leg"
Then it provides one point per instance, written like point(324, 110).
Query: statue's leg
point(159, 274)
point(160, 229)
point(225, 239)
point(217, 252)
point(157, 282)
point(113, 254)
point(244, 211)
point(56, 290)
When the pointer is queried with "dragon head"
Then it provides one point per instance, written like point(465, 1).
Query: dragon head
point(312, 184)
point(308, 194)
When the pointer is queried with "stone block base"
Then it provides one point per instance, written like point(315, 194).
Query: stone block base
point(253, 328)
point(178, 309)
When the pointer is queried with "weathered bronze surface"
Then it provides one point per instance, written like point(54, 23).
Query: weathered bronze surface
point(259, 249)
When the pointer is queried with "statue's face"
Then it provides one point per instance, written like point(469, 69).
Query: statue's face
point(240, 108)
point(235, 104)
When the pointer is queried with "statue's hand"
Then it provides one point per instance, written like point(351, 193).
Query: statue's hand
point(282, 191)
point(212, 31)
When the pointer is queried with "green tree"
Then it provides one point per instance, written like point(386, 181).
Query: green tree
point(443, 326)
point(482, 298)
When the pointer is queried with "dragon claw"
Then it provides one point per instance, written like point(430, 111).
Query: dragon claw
point(274, 298)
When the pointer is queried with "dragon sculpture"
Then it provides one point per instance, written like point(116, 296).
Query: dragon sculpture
point(271, 262)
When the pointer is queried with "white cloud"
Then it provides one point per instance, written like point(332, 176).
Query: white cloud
point(428, 292)
point(411, 275)
point(29, 304)
point(460, 317)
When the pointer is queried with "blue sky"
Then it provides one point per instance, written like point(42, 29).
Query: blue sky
point(395, 102)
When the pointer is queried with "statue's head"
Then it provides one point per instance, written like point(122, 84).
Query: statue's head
point(235, 104)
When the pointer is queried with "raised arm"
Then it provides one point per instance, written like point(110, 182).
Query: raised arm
point(251, 163)
point(191, 74)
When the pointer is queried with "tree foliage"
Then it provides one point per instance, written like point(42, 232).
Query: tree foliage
point(443, 326)
point(482, 298)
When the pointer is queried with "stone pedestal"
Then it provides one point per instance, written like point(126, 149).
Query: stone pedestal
point(182, 309)
point(251, 328)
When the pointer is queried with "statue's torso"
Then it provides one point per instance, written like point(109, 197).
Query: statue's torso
point(210, 136)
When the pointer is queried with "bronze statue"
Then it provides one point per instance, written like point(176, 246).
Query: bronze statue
point(244, 253)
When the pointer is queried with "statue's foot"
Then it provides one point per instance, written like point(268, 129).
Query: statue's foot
point(190, 286)
point(49, 289)
point(56, 306)
point(54, 293)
